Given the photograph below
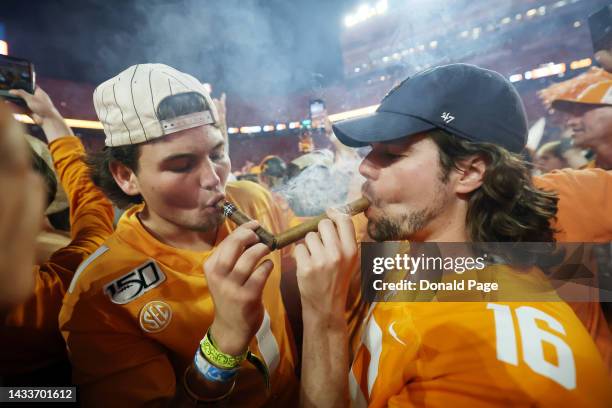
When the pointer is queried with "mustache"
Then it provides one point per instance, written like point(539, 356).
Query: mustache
point(366, 191)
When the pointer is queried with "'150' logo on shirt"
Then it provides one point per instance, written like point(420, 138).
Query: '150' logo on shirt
point(135, 284)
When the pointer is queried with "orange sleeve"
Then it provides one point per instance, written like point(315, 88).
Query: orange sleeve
point(91, 213)
point(91, 216)
point(91, 220)
point(113, 364)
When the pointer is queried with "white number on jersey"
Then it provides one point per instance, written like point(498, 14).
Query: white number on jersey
point(532, 341)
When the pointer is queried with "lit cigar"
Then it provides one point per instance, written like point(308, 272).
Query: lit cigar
point(234, 214)
point(299, 231)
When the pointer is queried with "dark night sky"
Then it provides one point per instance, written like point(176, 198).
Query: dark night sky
point(246, 47)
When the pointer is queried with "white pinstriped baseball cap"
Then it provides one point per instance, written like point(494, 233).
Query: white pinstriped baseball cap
point(127, 104)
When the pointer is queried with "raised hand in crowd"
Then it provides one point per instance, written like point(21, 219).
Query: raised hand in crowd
point(44, 113)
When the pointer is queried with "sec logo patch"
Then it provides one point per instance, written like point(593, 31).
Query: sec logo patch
point(155, 316)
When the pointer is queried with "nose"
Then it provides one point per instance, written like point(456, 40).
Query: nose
point(209, 178)
point(368, 168)
point(574, 121)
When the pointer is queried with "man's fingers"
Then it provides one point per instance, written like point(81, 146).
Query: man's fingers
point(247, 261)
point(259, 277)
point(346, 230)
point(225, 256)
point(301, 255)
point(314, 245)
point(329, 236)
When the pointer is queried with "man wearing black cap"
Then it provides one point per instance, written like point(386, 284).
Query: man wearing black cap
point(444, 167)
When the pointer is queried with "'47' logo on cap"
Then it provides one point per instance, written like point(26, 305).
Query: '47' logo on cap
point(447, 117)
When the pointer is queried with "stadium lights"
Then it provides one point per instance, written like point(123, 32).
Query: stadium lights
point(3, 47)
point(233, 130)
point(281, 126)
point(73, 123)
point(583, 63)
point(515, 77)
point(294, 125)
point(545, 71)
point(268, 128)
point(250, 129)
point(365, 12)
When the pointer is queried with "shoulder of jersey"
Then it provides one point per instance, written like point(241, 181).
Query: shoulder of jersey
point(575, 177)
point(120, 272)
point(243, 190)
point(250, 197)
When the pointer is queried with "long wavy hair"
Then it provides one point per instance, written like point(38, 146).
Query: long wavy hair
point(507, 207)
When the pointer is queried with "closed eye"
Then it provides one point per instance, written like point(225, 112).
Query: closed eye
point(179, 164)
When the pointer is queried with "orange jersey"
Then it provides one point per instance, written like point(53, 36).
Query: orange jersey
point(477, 354)
point(137, 310)
point(584, 208)
point(29, 332)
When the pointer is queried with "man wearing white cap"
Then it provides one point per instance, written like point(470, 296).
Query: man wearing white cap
point(591, 120)
point(173, 305)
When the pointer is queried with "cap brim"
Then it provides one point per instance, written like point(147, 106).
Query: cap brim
point(568, 105)
point(379, 127)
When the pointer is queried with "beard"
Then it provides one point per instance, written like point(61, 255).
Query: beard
point(404, 226)
point(399, 228)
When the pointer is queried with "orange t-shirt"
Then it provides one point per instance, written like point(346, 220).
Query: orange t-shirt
point(476, 354)
point(585, 215)
point(29, 333)
point(137, 310)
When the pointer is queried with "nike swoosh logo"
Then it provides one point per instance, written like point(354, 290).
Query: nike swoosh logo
point(393, 334)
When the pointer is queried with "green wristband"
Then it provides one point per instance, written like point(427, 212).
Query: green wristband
point(217, 357)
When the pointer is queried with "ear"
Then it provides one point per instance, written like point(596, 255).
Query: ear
point(470, 175)
point(125, 178)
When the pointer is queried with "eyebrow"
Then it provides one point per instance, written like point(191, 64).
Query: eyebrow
point(179, 156)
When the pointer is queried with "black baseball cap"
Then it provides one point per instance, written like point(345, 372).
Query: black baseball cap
point(470, 102)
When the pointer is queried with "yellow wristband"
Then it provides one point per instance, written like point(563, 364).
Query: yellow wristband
point(217, 357)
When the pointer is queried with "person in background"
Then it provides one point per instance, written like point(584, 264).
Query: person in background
point(33, 351)
point(590, 119)
point(273, 172)
point(549, 157)
point(55, 233)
